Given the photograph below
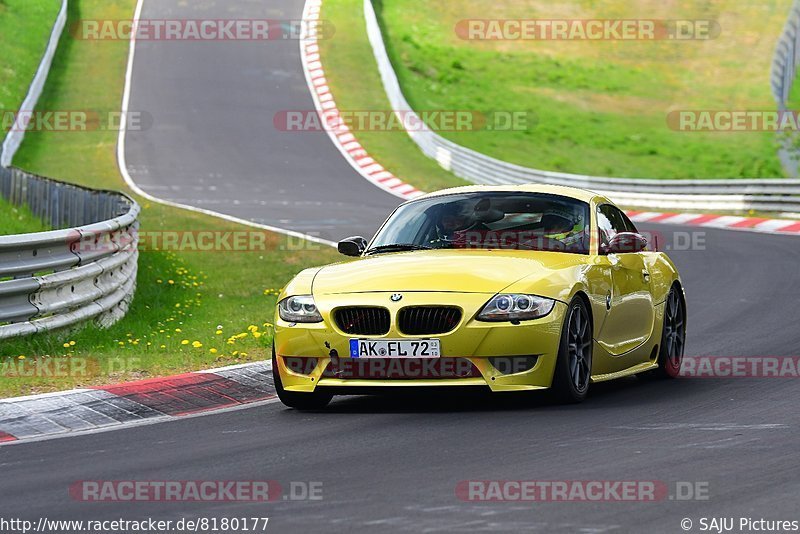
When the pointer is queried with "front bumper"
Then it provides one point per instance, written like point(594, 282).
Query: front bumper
point(473, 341)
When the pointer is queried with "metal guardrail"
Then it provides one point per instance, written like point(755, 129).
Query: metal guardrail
point(54, 279)
point(786, 58)
point(50, 280)
point(782, 76)
point(777, 194)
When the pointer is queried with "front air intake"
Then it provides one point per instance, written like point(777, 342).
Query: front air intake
point(363, 321)
point(428, 320)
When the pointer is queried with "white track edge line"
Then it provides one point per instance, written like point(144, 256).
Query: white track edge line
point(123, 165)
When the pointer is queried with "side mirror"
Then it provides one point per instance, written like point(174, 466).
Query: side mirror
point(625, 242)
point(352, 246)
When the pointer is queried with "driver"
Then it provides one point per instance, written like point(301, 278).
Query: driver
point(561, 226)
point(556, 225)
point(455, 219)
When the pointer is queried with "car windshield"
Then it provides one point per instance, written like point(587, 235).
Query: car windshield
point(488, 220)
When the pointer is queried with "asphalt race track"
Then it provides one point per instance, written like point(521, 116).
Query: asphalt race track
point(392, 464)
point(213, 144)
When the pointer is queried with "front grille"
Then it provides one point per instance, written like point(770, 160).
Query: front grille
point(428, 320)
point(363, 321)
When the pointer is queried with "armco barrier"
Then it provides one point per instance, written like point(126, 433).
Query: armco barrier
point(50, 280)
point(780, 195)
point(782, 75)
point(786, 58)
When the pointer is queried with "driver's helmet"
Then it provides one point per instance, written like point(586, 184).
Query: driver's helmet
point(453, 218)
point(560, 224)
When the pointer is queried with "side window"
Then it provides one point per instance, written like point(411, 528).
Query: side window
point(604, 226)
point(610, 222)
point(629, 226)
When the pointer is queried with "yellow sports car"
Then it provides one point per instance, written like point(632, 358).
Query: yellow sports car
point(511, 288)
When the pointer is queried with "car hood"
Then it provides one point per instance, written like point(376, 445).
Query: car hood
point(463, 271)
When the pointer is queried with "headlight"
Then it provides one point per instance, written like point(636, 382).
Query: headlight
point(514, 307)
point(299, 309)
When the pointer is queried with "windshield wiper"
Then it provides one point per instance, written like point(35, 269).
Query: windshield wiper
point(397, 247)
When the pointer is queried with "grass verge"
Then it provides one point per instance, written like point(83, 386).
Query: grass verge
point(18, 220)
point(25, 27)
point(601, 107)
point(192, 309)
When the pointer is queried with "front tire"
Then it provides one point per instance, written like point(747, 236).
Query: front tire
point(299, 401)
point(574, 362)
point(673, 337)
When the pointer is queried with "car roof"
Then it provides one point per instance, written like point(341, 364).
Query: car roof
point(572, 192)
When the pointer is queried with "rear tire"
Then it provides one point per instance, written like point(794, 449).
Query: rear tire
point(299, 401)
point(673, 336)
point(574, 362)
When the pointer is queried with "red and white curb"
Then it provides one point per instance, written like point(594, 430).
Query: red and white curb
point(342, 137)
point(105, 407)
point(730, 222)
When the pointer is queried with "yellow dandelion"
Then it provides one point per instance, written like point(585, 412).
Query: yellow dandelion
point(185, 342)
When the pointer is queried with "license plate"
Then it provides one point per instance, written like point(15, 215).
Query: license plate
point(394, 348)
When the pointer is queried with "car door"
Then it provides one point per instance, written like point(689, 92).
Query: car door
point(629, 304)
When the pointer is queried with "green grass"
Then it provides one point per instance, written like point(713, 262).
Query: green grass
point(234, 290)
point(600, 107)
point(18, 220)
point(25, 27)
